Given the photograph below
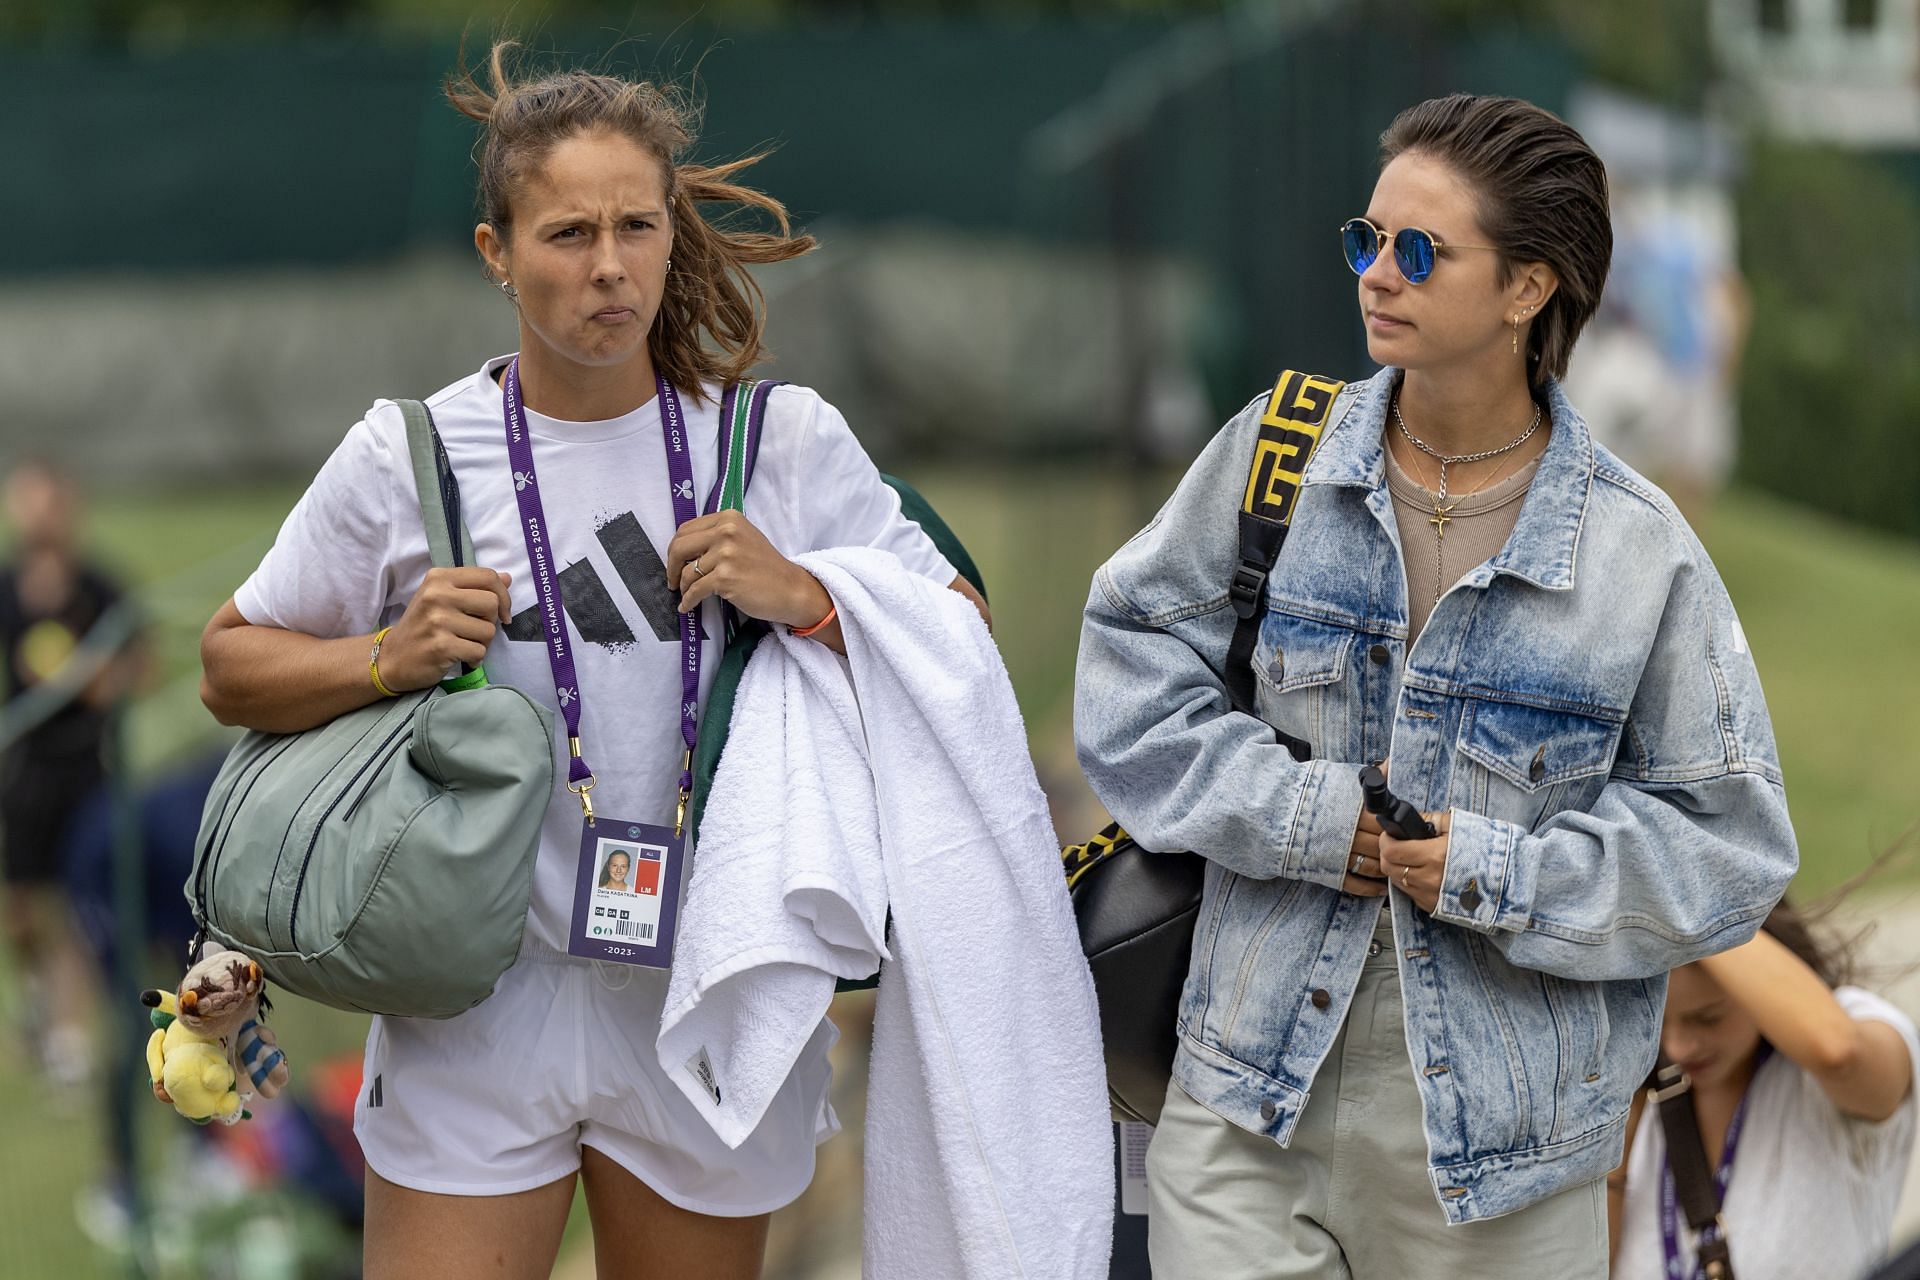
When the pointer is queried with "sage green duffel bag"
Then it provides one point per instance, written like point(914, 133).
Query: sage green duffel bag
point(383, 861)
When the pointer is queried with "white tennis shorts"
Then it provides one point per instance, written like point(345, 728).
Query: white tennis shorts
point(501, 1098)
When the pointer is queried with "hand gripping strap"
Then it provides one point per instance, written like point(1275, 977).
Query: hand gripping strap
point(1289, 432)
point(449, 545)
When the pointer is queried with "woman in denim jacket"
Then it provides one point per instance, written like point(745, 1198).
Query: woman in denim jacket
point(1530, 636)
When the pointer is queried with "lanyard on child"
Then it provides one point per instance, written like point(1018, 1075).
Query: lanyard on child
point(1722, 1175)
point(533, 527)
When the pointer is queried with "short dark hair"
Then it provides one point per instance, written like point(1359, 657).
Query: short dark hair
point(1543, 198)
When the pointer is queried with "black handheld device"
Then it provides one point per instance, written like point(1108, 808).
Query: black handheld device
point(1397, 817)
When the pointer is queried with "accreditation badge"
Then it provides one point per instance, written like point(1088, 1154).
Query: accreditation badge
point(626, 900)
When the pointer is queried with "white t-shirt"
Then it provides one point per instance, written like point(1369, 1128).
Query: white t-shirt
point(353, 552)
point(1813, 1191)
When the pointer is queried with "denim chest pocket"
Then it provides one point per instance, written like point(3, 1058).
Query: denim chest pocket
point(1523, 764)
point(1300, 671)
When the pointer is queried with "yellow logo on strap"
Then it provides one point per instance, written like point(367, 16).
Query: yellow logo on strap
point(1289, 433)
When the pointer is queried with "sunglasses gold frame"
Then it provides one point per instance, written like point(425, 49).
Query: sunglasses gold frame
point(1382, 238)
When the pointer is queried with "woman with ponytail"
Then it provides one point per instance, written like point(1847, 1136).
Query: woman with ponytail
point(579, 461)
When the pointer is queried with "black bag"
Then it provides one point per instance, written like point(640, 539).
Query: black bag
point(1135, 908)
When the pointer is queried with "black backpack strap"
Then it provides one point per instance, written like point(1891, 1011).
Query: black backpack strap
point(1672, 1093)
point(1289, 432)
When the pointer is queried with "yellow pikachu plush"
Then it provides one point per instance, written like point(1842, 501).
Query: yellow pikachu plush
point(186, 1068)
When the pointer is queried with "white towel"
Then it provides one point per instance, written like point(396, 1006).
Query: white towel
point(989, 1151)
point(788, 891)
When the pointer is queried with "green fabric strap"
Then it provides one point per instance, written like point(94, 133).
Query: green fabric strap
point(733, 485)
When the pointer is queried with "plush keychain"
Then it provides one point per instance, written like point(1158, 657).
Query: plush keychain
point(209, 1053)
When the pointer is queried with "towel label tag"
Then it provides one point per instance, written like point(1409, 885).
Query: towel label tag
point(627, 890)
point(1134, 1138)
point(702, 1070)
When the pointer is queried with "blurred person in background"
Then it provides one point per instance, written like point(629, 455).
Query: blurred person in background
point(632, 310)
point(51, 598)
point(1802, 1089)
point(1474, 591)
point(1659, 375)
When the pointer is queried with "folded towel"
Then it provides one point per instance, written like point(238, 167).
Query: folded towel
point(900, 779)
point(788, 890)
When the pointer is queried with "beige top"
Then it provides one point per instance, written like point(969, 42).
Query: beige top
point(1477, 527)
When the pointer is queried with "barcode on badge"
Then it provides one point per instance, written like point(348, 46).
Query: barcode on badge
point(632, 929)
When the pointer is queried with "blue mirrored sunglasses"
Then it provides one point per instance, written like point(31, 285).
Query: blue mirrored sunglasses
point(1414, 250)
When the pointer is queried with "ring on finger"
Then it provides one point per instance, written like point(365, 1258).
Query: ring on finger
point(1404, 873)
point(694, 565)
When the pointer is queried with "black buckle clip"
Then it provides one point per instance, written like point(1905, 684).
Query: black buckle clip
point(1249, 582)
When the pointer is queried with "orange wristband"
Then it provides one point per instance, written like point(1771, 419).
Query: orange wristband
point(833, 611)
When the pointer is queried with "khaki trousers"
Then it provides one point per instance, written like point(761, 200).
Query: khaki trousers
point(1350, 1199)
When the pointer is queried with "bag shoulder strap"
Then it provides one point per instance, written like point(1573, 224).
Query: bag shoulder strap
point(448, 543)
point(1672, 1092)
point(743, 410)
point(1290, 430)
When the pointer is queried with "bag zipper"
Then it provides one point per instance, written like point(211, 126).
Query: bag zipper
point(381, 755)
point(373, 775)
point(209, 857)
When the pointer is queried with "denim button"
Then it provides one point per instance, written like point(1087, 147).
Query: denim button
point(1268, 1111)
point(1538, 769)
point(1380, 654)
point(1470, 896)
point(1320, 998)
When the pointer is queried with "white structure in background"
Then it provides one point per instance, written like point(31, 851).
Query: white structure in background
point(1844, 71)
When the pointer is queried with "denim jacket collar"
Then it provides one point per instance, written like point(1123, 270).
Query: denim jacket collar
point(1546, 537)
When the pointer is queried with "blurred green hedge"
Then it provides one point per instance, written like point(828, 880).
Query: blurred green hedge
point(1830, 388)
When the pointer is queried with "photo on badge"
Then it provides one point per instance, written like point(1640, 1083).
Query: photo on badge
point(616, 867)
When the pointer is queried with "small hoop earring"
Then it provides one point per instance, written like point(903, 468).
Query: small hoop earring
point(506, 287)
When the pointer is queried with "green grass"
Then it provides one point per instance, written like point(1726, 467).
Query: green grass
point(1831, 613)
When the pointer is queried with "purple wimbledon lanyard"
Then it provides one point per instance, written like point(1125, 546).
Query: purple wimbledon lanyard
point(533, 527)
point(1722, 1175)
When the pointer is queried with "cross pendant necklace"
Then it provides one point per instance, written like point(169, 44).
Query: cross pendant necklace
point(1441, 516)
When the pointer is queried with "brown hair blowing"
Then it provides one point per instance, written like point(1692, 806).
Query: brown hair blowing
point(712, 316)
point(1543, 198)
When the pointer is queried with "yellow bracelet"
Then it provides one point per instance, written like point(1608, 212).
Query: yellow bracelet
point(373, 664)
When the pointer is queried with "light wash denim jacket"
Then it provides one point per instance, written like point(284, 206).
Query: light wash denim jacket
point(1584, 703)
